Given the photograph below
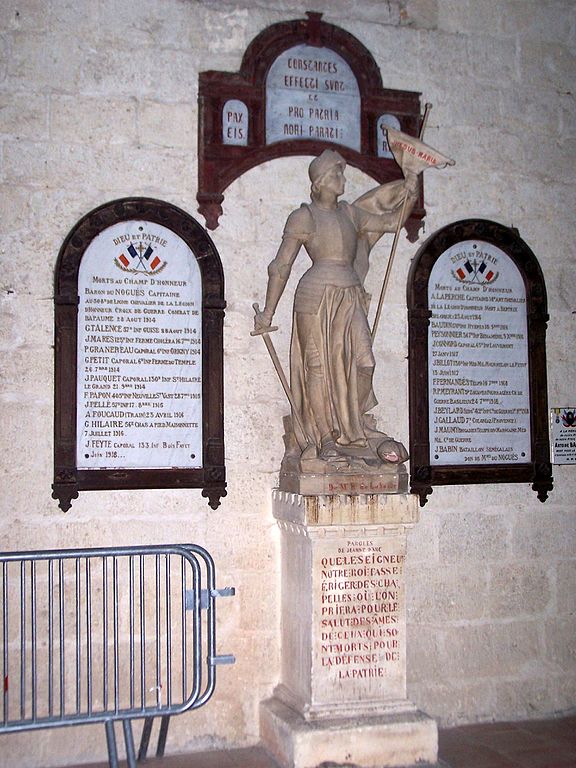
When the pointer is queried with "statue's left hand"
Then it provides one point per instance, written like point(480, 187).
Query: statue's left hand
point(411, 184)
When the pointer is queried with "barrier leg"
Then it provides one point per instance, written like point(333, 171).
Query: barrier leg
point(111, 741)
point(145, 738)
point(129, 741)
point(164, 723)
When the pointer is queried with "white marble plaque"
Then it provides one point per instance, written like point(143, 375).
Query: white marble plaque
point(235, 123)
point(479, 405)
point(312, 93)
point(563, 435)
point(139, 354)
point(385, 122)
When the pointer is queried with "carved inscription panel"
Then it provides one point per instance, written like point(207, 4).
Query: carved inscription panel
point(360, 624)
point(303, 86)
point(312, 93)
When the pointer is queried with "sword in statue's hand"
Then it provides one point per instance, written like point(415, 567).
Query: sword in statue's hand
point(265, 332)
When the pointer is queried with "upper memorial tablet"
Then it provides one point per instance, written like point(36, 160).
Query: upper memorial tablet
point(312, 93)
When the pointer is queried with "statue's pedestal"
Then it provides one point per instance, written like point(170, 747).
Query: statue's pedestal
point(342, 697)
point(388, 479)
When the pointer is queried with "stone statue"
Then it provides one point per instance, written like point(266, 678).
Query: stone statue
point(331, 359)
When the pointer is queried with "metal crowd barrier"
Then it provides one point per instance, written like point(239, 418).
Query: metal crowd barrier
point(105, 635)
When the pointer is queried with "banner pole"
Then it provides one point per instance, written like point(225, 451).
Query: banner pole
point(427, 109)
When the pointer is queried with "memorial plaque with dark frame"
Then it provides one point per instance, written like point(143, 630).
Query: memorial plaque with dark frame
point(477, 315)
point(303, 86)
point(138, 396)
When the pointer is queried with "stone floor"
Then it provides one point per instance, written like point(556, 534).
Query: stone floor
point(528, 744)
point(531, 744)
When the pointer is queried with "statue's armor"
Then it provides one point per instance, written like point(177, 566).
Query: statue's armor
point(330, 239)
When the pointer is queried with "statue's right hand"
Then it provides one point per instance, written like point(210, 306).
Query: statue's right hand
point(262, 322)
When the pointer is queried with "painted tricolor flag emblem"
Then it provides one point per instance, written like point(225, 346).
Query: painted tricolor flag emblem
point(463, 272)
point(476, 273)
point(139, 258)
point(487, 275)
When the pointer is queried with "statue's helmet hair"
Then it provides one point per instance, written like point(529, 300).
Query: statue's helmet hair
point(320, 166)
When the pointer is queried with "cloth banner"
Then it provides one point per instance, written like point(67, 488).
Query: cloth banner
point(413, 155)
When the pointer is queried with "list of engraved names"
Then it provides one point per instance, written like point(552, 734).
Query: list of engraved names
point(139, 382)
point(477, 358)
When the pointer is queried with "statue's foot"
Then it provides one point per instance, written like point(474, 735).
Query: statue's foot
point(310, 452)
point(360, 443)
point(328, 449)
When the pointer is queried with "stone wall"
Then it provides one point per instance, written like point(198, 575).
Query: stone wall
point(98, 101)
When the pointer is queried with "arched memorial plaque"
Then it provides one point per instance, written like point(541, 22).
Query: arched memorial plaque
point(138, 354)
point(477, 357)
point(303, 86)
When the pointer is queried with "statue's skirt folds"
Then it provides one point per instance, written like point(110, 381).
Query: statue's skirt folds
point(331, 365)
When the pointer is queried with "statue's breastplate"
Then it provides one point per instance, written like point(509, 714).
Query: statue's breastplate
point(334, 237)
point(332, 248)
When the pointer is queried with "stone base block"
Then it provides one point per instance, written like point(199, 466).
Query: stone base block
point(386, 741)
point(391, 480)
